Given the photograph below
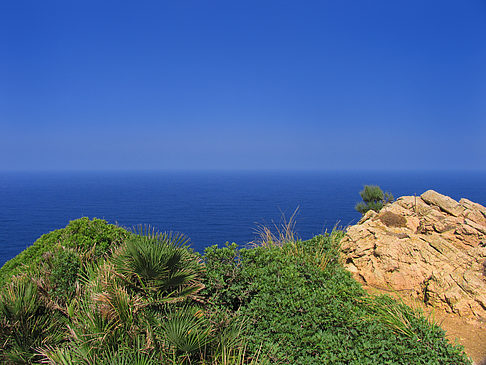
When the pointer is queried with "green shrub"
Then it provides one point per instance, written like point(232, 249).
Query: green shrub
point(83, 235)
point(64, 274)
point(373, 199)
point(297, 312)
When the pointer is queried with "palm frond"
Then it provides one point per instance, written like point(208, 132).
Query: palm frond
point(186, 329)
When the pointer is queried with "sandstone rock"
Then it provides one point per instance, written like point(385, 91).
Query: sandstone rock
point(445, 203)
point(429, 247)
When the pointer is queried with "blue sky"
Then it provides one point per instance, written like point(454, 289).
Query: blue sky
point(317, 85)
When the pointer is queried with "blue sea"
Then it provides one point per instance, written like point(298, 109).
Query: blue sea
point(209, 207)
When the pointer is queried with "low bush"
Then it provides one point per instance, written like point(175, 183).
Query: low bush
point(64, 269)
point(83, 235)
point(299, 312)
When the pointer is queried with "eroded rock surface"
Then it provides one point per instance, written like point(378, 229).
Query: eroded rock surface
point(430, 247)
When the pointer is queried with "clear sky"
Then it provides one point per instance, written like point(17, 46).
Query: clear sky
point(242, 85)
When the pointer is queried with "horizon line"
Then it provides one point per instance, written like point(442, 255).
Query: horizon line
point(236, 170)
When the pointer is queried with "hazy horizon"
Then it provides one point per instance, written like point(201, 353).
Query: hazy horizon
point(249, 170)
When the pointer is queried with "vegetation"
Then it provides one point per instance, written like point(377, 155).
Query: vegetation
point(88, 238)
point(147, 298)
point(302, 307)
point(391, 219)
point(373, 199)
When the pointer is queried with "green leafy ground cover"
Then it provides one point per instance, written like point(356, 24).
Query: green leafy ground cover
point(302, 307)
point(92, 293)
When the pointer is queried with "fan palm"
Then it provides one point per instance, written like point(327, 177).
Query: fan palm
point(159, 266)
point(25, 323)
point(186, 329)
point(122, 355)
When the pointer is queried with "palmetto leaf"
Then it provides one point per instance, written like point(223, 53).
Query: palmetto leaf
point(127, 356)
point(19, 301)
point(26, 324)
point(186, 329)
point(60, 356)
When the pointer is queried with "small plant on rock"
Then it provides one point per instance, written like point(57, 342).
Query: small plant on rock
point(373, 199)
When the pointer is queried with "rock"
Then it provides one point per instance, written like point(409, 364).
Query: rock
point(445, 203)
point(430, 247)
point(369, 214)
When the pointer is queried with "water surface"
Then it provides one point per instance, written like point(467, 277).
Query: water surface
point(209, 207)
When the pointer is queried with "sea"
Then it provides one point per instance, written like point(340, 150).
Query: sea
point(209, 207)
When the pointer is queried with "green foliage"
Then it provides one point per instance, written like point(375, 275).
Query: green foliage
point(223, 277)
point(373, 199)
point(186, 329)
point(95, 237)
point(64, 274)
point(139, 305)
point(137, 354)
point(160, 266)
point(300, 312)
point(152, 300)
point(26, 323)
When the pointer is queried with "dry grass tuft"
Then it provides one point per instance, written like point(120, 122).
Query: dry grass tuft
point(391, 219)
point(279, 234)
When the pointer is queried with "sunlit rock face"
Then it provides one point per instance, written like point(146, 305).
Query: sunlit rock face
point(430, 247)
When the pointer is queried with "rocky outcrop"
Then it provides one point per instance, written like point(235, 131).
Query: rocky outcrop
point(430, 247)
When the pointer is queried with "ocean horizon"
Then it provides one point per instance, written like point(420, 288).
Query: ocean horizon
point(209, 207)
